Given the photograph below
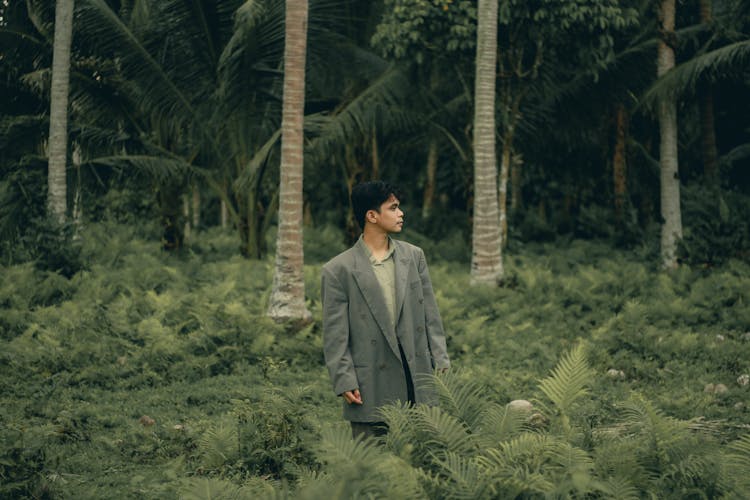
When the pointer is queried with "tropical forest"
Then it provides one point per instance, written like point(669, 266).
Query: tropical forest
point(175, 174)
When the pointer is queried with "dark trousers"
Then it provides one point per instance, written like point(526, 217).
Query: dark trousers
point(377, 429)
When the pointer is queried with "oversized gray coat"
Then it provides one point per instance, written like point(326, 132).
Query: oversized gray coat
point(359, 341)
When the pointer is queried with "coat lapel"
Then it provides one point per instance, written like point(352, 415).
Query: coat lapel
point(370, 288)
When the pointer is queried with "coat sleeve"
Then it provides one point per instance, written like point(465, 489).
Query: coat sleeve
point(433, 323)
point(336, 334)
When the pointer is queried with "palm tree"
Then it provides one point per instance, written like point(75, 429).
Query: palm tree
point(287, 300)
point(58, 120)
point(486, 256)
point(671, 229)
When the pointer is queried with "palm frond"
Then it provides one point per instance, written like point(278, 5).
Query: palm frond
point(720, 64)
point(160, 168)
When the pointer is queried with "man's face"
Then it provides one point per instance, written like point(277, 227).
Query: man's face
point(390, 218)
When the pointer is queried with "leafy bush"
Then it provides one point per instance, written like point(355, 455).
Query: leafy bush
point(716, 226)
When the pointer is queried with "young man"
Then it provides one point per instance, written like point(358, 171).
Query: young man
point(382, 332)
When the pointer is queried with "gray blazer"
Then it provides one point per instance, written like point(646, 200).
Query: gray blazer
point(359, 342)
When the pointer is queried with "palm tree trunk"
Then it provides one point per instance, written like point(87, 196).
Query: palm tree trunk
point(671, 229)
point(58, 117)
point(706, 103)
point(287, 301)
point(619, 163)
point(486, 257)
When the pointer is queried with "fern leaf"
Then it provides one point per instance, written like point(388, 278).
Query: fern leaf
point(462, 398)
point(499, 423)
point(569, 380)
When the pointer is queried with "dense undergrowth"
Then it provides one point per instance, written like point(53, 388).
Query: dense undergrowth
point(147, 375)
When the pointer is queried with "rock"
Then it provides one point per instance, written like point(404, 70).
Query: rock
point(178, 427)
point(146, 421)
point(739, 406)
point(716, 389)
point(520, 405)
point(743, 379)
point(745, 336)
point(720, 338)
point(614, 373)
point(538, 421)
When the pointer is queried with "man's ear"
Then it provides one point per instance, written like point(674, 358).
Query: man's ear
point(370, 216)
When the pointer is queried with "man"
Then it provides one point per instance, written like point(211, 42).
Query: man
point(382, 333)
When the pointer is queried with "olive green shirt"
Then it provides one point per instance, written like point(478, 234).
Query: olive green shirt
point(385, 272)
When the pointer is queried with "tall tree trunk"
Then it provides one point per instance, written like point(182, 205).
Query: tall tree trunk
point(619, 163)
point(287, 301)
point(706, 104)
point(429, 185)
point(671, 229)
point(58, 117)
point(486, 257)
point(78, 196)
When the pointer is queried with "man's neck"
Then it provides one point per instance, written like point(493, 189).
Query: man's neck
point(377, 242)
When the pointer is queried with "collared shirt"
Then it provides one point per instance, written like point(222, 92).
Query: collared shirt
point(385, 272)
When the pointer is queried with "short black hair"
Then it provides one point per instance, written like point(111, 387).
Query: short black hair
point(369, 196)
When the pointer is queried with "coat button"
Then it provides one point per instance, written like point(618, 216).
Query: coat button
point(420, 329)
point(421, 301)
point(382, 366)
point(373, 342)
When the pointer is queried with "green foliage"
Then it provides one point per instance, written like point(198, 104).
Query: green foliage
point(425, 29)
point(240, 406)
point(716, 226)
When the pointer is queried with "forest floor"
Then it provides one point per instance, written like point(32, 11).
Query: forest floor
point(145, 371)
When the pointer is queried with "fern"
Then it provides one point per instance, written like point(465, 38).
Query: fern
point(569, 380)
point(464, 477)
point(499, 423)
point(219, 445)
point(735, 477)
point(459, 396)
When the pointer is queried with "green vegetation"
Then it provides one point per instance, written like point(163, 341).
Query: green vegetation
point(155, 375)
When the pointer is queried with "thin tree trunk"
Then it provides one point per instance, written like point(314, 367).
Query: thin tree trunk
point(516, 196)
point(224, 214)
point(78, 197)
point(503, 187)
point(706, 104)
point(196, 206)
point(58, 119)
point(287, 301)
point(619, 164)
point(671, 229)
point(375, 155)
point(429, 185)
point(186, 219)
point(486, 258)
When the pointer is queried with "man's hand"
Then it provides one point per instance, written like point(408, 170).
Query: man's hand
point(353, 397)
